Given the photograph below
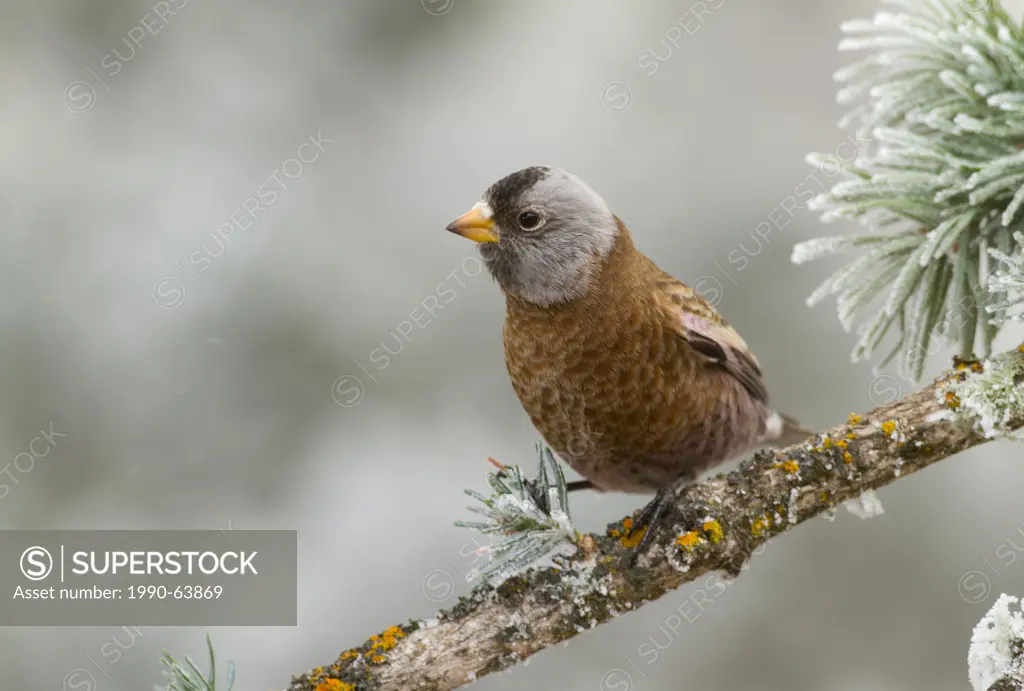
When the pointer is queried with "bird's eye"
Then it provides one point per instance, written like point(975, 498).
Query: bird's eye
point(529, 220)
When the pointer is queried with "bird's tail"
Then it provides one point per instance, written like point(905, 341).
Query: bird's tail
point(783, 430)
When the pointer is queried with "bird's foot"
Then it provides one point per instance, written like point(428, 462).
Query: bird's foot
point(651, 517)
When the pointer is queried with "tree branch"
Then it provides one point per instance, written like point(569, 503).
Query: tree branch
point(718, 524)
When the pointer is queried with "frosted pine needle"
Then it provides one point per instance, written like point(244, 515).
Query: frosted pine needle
point(531, 515)
point(940, 186)
point(1007, 283)
point(186, 675)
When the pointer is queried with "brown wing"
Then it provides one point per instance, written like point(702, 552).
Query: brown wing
point(700, 325)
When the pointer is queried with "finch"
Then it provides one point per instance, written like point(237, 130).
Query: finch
point(630, 377)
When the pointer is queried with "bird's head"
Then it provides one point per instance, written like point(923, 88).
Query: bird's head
point(543, 234)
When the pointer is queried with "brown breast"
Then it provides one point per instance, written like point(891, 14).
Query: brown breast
point(616, 393)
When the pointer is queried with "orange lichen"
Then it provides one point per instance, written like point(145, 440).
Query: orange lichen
point(387, 640)
point(952, 400)
point(851, 435)
point(714, 530)
point(349, 655)
point(889, 427)
point(847, 457)
point(711, 528)
point(826, 443)
point(632, 538)
point(1020, 348)
point(689, 540)
point(627, 537)
point(761, 525)
point(335, 685)
point(789, 466)
point(973, 365)
point(839, 443)
point(854, 419)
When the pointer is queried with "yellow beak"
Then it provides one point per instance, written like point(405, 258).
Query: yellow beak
point(476, 225)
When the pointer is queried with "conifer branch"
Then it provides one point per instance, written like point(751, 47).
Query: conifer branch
point(717, 526)
point(942, 97)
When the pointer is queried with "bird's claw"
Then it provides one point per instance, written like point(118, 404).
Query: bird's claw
point(652, 517)
point(649, 520)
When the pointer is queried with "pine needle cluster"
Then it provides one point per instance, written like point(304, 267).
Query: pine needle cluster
point(941, 188)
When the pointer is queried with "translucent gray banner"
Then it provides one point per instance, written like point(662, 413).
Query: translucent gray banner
point(148, 577)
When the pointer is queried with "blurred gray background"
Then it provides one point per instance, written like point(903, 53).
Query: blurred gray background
point(198, 383)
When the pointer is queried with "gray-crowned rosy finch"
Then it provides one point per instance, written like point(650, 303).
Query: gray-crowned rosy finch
point(630, 376)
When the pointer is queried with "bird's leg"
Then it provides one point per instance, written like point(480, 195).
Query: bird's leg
point(542, 501)
point(651, 515)
point(573, 486)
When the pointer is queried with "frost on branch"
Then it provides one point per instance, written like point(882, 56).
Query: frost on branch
point(991, 400)
point(997, 647)
point(532, 515)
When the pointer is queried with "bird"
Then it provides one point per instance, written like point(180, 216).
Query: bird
point(629, 375)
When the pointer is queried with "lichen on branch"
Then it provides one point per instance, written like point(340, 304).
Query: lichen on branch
point(716, 526)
